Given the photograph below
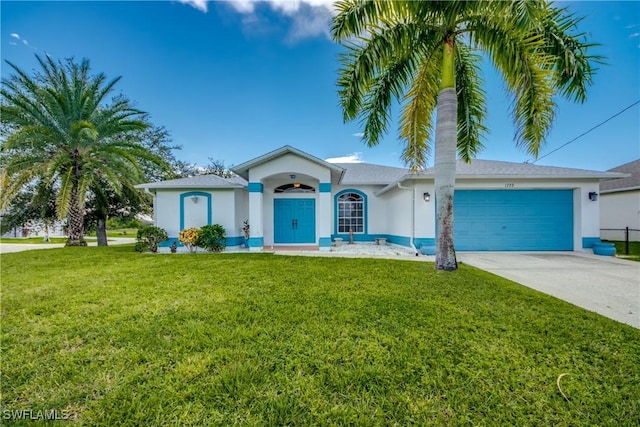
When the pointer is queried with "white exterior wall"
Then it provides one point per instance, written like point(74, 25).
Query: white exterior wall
point(241, 212)
point(425, 211)
point(167, 210)
point(620, 210)
point(399, 220)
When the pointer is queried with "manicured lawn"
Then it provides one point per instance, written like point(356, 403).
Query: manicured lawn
point(634, 250)
point(120, 232)
point(32, 240)
point(120, 338)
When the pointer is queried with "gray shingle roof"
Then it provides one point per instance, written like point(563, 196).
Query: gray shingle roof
point(367, 173)
point(630, 183)
point(497, 169)
point(199, 181)
point(493, 168)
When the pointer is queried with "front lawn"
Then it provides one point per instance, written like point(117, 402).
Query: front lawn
point(621, 249)
point(32, 240)
point(113, 337)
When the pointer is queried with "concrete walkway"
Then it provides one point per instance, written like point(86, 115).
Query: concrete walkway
point(605, 285)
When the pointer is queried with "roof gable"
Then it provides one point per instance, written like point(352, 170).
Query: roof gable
point(243, 169)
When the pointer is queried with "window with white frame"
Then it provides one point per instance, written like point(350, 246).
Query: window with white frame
point(350, 213)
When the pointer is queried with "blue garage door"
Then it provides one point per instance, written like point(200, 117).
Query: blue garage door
point(294, 221)
point(513, 220)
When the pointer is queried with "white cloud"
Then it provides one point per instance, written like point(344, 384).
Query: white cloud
point(198, 4)
point(349, 158)
point(26, 43)
point(634, 35)
point(15, 35)
point(287, 7)
point(309, 18)
point(359, 134)
point(13, 43)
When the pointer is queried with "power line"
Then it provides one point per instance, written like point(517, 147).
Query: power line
point(590, 130)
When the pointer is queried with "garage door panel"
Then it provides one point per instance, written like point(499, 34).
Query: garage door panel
point(513, 220)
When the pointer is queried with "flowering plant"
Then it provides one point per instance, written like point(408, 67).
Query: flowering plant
point(189, 238)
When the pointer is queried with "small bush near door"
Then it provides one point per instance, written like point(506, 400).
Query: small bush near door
point(212, 238)
point(149, 238)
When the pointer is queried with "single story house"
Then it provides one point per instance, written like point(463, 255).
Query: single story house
point(620, 204)
point(291, 198)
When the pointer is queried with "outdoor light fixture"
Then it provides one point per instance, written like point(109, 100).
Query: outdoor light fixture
point(593, 196)
point(427, 197)
point(296, 184)
point(292, 176)
point(194, 199)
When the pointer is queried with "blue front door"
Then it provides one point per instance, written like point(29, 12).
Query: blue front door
point(513, 220)
point(294, 221)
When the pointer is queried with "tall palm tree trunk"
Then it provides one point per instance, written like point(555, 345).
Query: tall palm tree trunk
point(445, 162)
point(76, 219)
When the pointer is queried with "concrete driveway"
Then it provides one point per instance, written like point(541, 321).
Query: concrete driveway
point(605, 285)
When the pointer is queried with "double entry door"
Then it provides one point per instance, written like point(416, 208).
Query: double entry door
point(294, 221)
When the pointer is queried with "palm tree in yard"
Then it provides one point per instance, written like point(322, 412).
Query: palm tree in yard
point(427, 55)
point(58, 129)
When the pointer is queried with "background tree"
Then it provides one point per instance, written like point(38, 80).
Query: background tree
point(61, 131)
point(33, 206)
point(426, 55)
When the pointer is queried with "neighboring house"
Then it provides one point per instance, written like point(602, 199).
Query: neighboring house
point(620, 204)
point(292, 198)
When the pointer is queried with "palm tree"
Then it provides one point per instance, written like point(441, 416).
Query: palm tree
point(58, 129)
point(426, 55)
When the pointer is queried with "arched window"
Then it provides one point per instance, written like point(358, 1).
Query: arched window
point(350, 213)
point(295, 188)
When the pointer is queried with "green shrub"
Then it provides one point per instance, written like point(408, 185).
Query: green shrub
point(149, 238)
point(212, 238)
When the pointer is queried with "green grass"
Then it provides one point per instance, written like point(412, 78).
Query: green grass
point(120, 338)
point(32, 240)
point(119, 232)
point(634, 250)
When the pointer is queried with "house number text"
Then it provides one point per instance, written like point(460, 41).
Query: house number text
point(509, 185)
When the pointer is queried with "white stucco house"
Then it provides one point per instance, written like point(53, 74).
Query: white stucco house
point(620, 204)
point(293, 199)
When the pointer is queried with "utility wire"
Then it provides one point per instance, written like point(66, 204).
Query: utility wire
point(590, 130)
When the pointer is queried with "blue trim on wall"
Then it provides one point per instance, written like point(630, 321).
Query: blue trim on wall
point(589, 242)
point(255, 187)
point(424, 241)
point(256, 242)
point(391, 238)
point(231, 241)
point(191, 194)
point(324, 242)
point(235, 241)
point(365, 213)
point(325, 187)
point(399, 240)
point(169, 242)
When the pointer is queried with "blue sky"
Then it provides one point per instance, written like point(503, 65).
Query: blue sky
point(233, 80)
